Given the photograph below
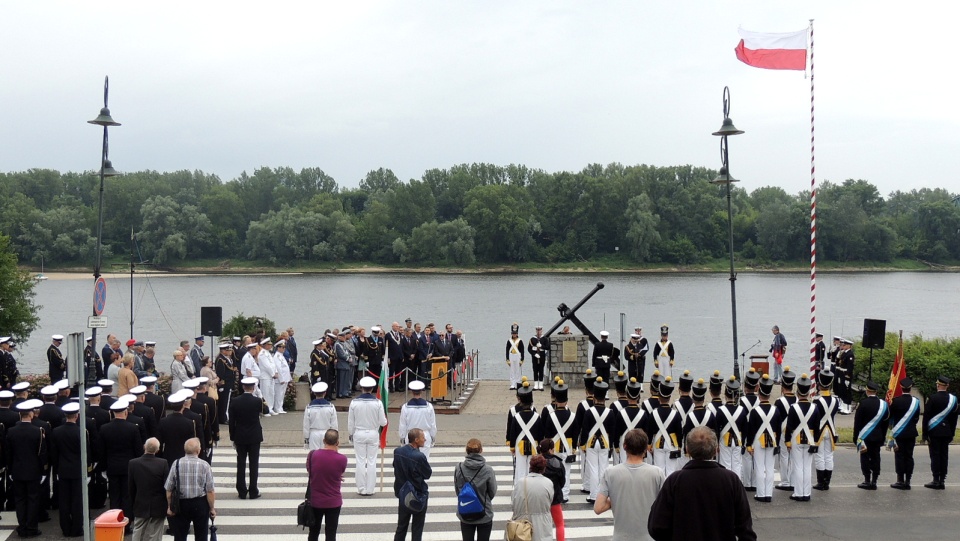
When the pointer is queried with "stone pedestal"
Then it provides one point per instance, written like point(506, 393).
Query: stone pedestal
point(569, 358)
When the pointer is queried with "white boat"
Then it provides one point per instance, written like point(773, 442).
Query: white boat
point(40, 277)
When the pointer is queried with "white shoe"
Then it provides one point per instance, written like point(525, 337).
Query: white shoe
point(267, 414)
point(281, 411)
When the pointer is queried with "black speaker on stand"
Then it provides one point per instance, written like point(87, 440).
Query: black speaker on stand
point(874, 337)
point(211, 323)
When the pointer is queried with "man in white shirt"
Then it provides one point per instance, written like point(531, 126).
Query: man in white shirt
point(418, 413)
point(249, 368)
point(268, 374)
point(629, 489)
point(364, 421)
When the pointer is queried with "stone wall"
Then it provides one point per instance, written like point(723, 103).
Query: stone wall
point(569, 358)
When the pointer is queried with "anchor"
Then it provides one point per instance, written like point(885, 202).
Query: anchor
point(570, 314)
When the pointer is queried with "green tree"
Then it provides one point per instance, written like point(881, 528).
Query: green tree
point(379, 180)
point(59, 234)
point(501, 219)
point(18, 317)
point(172, 231)
point(242, 325)
point(641, 223)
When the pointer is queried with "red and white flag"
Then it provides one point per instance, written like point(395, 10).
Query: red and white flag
point(786, 51)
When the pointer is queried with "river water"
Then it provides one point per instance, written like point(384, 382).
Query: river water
point(695, 306)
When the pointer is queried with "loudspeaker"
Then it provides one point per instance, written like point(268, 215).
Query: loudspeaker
point(874, 333)
point(211, 320)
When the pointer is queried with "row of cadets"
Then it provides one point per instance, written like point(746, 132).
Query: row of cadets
point(732, 420)
point(559, 424)
point(595, 441)
point(828, 405)
point(802, 435)
point(630, 416)
point(763, 440)
point(666, 427)
point(523, 431)
point(783, 405)
point(748, 401)
point(585, 473)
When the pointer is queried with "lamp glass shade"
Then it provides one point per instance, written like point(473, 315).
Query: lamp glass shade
point(723, 177)
point(104, 119)
point(728, 128)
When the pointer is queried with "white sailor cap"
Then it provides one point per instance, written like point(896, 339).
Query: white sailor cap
point(191, 383)
point(150, 343)
point(28, 405)
point(48, 390)
point(88, 339)
point(57, 337)
point(838, 338)
point(317, 342)
point(416, 385)
point(250, 380)
point(4, 339)
point(6, 395)
point(319, 387)
point(105, 383)
point(128, 398)
point(604, 333)
point(94, 391)
point(119, 405)
point(266, 341)
point(281, 343)
point(148, 380)
point(175, 398)
point(71, 407)
point(187, 394)
point(138, 390)
point(635, 335)
point(224, 345)
point(22, 386)
point(375, 329)
point(848, 342)
point(331, 335)
point(367, 382)
point(62, 384)
point(237, 339)
point(203, 380)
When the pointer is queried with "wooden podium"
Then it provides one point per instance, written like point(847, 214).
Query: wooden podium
point(760, 364)
point(438, 378)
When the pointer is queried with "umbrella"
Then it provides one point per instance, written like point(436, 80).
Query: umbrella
point(213, 531)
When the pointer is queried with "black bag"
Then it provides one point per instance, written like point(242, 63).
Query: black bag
point(411, 499)
point(175, 493)
point(305, 516)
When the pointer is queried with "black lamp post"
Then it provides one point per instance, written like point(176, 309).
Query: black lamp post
point(724, 177)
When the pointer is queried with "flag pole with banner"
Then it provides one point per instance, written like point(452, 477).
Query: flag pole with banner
point(384, 398)
point(897, 372)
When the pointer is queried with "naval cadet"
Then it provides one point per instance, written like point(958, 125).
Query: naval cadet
point(596, 442)
point(904, 415)
point(844, 376)
point(869, 434)
point(667, 429)
point(635, 352)
point(319, 417)
point(65, 446)
point(629, 417)
point(683, 405)
point(190, 413)
point(247, 435)
point(700, 414)
point(523, 431)
point(663, 353)
point(27, 460)
point(749, 400)
point(653, 401)
point(828, 405)
point(732, 422)
point(620, 382)
point(538, 347)
point(558, 423)
point(21, 392)
point(763, 440)
point(783, 405)
point(227, 372)
point(121, 444)
point(210, 407)
point(365, 419)
point(514, 356)
point(819, 352)
point(8, 419)
point(142, 410)
point(802, 434)
point(8, 363)
point(50, 411)
point(56, 362)
point(152, 399)
point(588, 380)
point(716, 393)
point(174, 430)
point(939, 425)
point(92, 363)
point(418, 413)
point(106, 393)
point(603, 357)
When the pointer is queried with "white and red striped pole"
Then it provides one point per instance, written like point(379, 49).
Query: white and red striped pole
point(813, 224)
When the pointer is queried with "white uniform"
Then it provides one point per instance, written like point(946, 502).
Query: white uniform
point(515, 357)
point(364, 420)
point(280, 384)
point(319, 417)
point(663, 360)
point(267, 370)
point(249, 363)
point(418, 413)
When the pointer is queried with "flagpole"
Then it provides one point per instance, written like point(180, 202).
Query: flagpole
point(813, 223)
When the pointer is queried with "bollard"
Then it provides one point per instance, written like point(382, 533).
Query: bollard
point(109, 526)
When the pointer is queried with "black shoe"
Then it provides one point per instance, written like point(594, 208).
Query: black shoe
point(806, 499)
point(796, 498)
point(584, 491)
point(28, 535)
point(935, 484)
point(591, 501)
point(242, 495)
point(763, 499)
point(866, 485)
point(566, 501)
point(750, 489)
point(785, 487)
point(254, 495)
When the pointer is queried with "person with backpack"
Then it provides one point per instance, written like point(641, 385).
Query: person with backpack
point(555, 473)
point(476, 485)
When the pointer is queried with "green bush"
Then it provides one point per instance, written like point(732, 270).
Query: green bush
point(926, 360)
point(240, 325)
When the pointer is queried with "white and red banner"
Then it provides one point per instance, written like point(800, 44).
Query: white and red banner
point(785, 51)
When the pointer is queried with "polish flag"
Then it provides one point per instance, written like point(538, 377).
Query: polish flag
point(786, 51)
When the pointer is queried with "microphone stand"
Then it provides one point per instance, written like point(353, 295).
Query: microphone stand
point(743, 356)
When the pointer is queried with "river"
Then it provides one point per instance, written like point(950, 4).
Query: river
point(695, 306)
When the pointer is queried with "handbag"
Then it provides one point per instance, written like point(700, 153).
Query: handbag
point(520, 530)
point(410, 499)
point(175, 494)
point(305, 516)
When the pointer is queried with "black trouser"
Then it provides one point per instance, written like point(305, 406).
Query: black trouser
point(27, 498)
point(45, 495)
point(120, 494)
point(332, 516)
point(538, 368)
point(635, 369)
point(602, 371)
point(476, 532)
point(71, 506)
point(222, 404)
point(870, 460)
point(903, 457)
point(403, 521)
point(194, 511)
point(243, 451)
point(939, 455)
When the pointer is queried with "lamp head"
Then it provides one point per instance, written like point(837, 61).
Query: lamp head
point(723, 177)
point(104, 119)
point(727, 128)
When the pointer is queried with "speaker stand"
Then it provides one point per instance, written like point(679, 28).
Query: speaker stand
point(870, 369)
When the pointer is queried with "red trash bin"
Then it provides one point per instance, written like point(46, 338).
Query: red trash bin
point(109, 526)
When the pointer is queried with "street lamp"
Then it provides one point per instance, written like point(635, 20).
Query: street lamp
point(724, 177)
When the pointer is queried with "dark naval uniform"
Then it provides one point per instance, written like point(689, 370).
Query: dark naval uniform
point(904, 415)
point(27, 458)
point(121, 443)
point(65, 456)
point(636, 355)
point(227, 371)
point(156, 403)
point(869, 432)
point(212, 424)
point(602, 358)
point(939, 425)
point(57, 365)
point(173, 431)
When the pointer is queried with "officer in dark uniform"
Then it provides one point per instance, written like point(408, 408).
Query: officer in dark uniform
point(27, 460)
point(65, 457)
point(55, 360)
point(602, 357)
point(869, 433)
point(106, 394)
point(904, 415)
point(844, 376)
point(318, 363)
point(152, 399)
point(376, 348)
point(199, 422)
point(819, 351)
point(635, 352)
point(121, 444)
point(210, 406)
point(8, 419)
point(143, 411)
point(8, 363)
point(132, 417)
point(95, 408)
point(939, 425)
point(227, 371)
point(539, 348)
point(92, 363)
point(174, 430)
point(247, 435)
point(46, 482)
point(51, 413)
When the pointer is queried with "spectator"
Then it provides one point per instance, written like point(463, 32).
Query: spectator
point(210, 373)
point(325, 468)
point(409, 464)
point(126, 378)
point(146, 476)
point(629, 489)
point(179, 371)
point(475, 469)
point(113, 372)
point(197, 495)
point(532, 499)
point(717, 495)
point(558, 476)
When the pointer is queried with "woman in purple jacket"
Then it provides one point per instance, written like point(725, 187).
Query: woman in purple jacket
point(325, 468)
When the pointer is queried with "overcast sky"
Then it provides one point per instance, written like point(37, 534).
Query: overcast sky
point(226, 87)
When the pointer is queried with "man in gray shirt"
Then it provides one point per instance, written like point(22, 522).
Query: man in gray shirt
point(629, 489)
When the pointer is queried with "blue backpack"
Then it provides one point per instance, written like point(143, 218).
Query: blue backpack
point(468, 503)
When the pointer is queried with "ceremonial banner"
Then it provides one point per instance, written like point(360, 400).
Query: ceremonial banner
point(786, 51)
point(897, 372)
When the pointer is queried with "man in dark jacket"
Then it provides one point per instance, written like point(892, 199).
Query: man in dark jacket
point(65, 457)
point(704, 485)
point(904, 415)
point(869, 433)
point(25, 456)
point(247, 434)
point(146, 476)
point(121, 444)
point(174, 430)
point(409, 464)
point(939, 426)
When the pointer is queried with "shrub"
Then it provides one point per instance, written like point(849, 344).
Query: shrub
point(926, 359)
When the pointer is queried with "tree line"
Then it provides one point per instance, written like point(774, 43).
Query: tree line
point(465, 215)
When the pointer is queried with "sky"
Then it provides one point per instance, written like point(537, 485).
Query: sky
point(349, 87)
